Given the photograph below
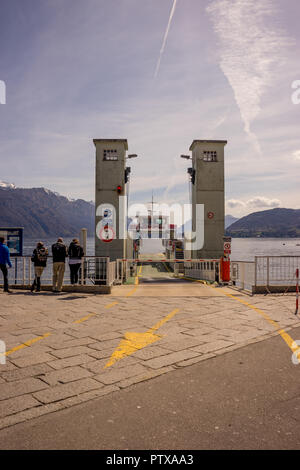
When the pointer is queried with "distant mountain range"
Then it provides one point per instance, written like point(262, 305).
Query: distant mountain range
point(229, 220)
point(44, 213)
point(270, 223)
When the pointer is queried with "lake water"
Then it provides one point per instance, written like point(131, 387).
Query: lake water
point(243, 249)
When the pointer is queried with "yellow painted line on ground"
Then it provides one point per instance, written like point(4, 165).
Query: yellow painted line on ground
point(194, 280)
point(164, 320)
point(85, 318)
point(167, 268)
point(81, 320)
point(285, 336)
point(132, 291)
point(135, 341)
point(26, 344)
point(111, 305)
point(136, 281)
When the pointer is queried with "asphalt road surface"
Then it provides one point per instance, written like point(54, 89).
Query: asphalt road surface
point(246, 399)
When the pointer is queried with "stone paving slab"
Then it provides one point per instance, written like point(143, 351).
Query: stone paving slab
point(69, 374)
point(60, 392)
point(15, 405)
point(70, 361)
point(31, 371)
point(116, 375)
point(20, 387)
point(211, 347)
point(70, 351)
point(170, 359)
point(32, 359)
point(68, 367)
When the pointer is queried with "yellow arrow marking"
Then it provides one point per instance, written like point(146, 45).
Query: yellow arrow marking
point(135, 341)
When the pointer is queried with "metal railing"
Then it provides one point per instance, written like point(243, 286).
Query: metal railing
point(208, 270)
point(276, 270)
point(94, 270)
point(204, 269)
point(243, 274)
point(266, 273)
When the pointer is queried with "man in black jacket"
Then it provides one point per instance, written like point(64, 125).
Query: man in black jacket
point(39, 258)
point(59, 253)
point(76, 253)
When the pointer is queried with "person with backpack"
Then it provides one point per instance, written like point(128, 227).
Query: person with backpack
point(4, 260)
point(75, 254)
point(39, 258)
point(59, 253)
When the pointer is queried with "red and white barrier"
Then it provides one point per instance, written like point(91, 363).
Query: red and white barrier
point(137, 260)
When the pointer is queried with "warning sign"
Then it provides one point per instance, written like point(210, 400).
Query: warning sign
point(107, 234)
point(227, 248)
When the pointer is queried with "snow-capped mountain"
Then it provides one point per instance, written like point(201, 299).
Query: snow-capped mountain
point(5, 185)
point(43, 213)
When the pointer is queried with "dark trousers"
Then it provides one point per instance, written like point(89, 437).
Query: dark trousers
point(36, 284)
point(4, 272)
point(74, 268)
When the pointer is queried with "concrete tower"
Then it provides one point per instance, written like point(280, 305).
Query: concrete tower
point(110, 215)
point(207, 175)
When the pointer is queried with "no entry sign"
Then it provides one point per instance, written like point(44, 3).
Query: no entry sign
point(227, 247)
point(107, 234)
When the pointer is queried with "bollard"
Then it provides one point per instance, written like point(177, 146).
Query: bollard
point(225, 270)
point(297, 290)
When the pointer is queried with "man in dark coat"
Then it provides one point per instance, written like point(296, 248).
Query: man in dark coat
point(59, 253)
point(75, 254)
point(39, 258)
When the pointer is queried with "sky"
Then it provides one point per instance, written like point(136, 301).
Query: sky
point(160, 73)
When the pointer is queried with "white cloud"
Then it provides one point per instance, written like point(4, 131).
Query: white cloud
point(260, 202)
point(257, 202)
point(296, 155)
point(234, 203)
point(249, 52)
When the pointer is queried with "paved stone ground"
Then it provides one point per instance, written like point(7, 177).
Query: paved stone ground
point(70, 338)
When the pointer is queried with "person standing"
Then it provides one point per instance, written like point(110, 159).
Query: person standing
point(39, 258)
point(59, 253)
point(75, 254)
point(4, 260)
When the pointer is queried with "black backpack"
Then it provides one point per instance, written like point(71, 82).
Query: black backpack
point(40, 255)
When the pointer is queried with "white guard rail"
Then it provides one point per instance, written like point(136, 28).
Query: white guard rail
point(205, 269)
point(94, 270)
point(266, 273)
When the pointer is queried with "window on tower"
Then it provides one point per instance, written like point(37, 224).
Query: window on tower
point(109, 154)
point(210, 156)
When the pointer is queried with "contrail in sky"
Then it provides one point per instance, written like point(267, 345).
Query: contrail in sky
point(165, 38)
point(249, 52)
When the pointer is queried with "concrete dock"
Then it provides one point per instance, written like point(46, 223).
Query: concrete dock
point(68, 349)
